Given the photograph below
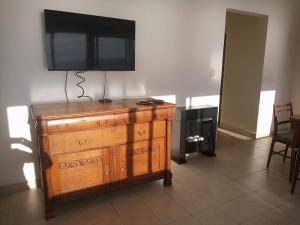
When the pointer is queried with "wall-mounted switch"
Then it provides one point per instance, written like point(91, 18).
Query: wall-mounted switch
point(212, 72)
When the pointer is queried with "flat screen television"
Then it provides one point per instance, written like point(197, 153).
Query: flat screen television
point(84, 42)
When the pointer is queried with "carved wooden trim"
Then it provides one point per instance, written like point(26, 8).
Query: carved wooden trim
point(80, 162)
point(171, 114)
point(140, 151)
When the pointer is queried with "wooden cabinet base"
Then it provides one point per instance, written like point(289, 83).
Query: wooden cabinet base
point(49, 213)
point(168, 179)
point(62, 199)
point(87, 149)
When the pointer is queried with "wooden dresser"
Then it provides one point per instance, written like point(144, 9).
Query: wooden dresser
point(89, 148)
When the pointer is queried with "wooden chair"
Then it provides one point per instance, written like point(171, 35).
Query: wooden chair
point(281, 136)
point(295, 175)
point(295, 160)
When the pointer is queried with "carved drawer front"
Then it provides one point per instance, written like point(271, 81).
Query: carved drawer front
point(142, 117)
point(80, 123)
point(140, 158)
point(135, 117)
point(78, 171)
point(161, 114)
point(108, 136)
point(84, 140)
point(145, 131)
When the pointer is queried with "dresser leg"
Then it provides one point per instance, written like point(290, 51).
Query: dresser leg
point(168, 179)
point(49, 212)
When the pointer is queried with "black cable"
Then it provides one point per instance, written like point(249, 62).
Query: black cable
point(66, 86)
point(79, 85)
point(104, 85)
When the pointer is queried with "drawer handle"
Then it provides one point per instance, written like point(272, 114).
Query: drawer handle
point(122, 167)
point(141, 132)
point(101, 123)
point(162, 116)
point(106, 170)
point(82, 142)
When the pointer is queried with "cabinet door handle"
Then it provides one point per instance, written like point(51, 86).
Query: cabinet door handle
point(122, 167)
point(106, 170)
point(114, 129)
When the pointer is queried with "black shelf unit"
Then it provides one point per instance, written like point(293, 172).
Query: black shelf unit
point(197, 121)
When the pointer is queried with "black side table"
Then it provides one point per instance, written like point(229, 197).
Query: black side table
point(194, 129)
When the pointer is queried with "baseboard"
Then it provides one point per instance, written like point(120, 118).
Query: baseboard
point(17, 187)
point(233, 134)
point(238, 130)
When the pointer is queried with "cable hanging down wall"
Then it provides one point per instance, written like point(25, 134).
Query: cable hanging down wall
point(66, 86)
point(105, 100)
point(104, 88)
point(79, 85)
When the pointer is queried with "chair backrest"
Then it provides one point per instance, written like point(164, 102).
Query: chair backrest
point(286, 110)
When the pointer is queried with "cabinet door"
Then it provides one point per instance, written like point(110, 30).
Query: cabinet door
point(79, 171)
point(139, 158)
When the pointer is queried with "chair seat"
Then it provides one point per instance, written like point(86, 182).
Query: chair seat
point(285, 136)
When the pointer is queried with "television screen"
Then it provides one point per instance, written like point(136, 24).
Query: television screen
point(84, 42)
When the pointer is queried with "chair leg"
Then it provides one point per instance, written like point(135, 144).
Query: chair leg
point(295, 173)
point(270, 153)
point(292, 166)
point(285, 152)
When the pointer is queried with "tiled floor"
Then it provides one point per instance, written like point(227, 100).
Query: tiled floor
point(232, 188)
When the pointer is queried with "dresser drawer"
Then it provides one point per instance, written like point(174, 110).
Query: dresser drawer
point(84, 140)
point(83, 123)
point(145, 131)
point(107, 136)
point(143, 116)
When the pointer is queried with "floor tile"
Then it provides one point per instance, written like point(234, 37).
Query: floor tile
point(244, 208)
point(187, 220)
point(215, 216)
point(168, 211)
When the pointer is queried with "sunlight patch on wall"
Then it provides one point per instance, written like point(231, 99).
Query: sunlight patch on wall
point(21, 147)
point(265, 113)
point(166, 98)
point(18, 122)
point(212, 100)
point(126, 90)
point(19, 132)
point(29, 173)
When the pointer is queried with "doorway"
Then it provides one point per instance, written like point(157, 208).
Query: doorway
point(243, 61)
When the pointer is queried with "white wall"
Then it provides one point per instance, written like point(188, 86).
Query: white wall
point(177, 41)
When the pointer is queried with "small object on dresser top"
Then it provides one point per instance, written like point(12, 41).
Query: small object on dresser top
point(150, 102)
point(105, 100)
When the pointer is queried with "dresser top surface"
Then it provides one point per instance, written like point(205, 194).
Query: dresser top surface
point(80, 109)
